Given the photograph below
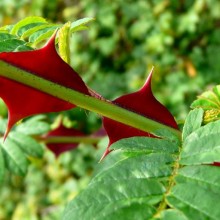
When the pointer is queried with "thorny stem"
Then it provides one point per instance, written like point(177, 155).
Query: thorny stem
point(102, 107)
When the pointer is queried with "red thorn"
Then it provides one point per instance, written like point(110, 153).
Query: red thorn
point(107, 151)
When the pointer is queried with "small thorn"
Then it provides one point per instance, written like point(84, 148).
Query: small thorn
point(107, 151)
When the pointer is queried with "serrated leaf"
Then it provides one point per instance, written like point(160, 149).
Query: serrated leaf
point(144, 144)
point(197, 180)
point(113, 198)
point(33, 30)
point(26, 21)
point(202, 146)
point(168, 135)
point(191, 191)
point(42, 35)
point(33, 127)
point(80, 24)
point(15, 159)
point(129, 171)
point(193, 122)
point(142, 166)
point(189, 198)
point(27, 27)
point(2, 167)
point(27, 144)
point(10, 45)
point(172, 214)
point(23, 48)
point(6, 36)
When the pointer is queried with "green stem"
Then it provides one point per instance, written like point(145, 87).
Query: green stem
point(101, 107)
point(69, 139)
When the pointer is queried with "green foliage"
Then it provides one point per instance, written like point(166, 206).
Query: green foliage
point(49, 184)
point(31, 32)
point(210, 102)
point(19, 147)
point(150, 180)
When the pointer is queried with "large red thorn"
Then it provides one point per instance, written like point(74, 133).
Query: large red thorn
point(22, 100)
point(144, 103)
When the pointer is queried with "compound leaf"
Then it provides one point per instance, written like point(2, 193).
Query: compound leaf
point(187, 185)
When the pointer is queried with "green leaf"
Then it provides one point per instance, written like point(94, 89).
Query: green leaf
point(142, 166)
point(64, 35)
point(210, 102)
point(33, 126)
point(167, 134)
point(15, 159)
point(23, 48)
point(26, 21)
point(3, 125)
point(42, 35)
point(173, 214)
point(189, 198)
point(196, 193)
point(202, 146)
point(114, 198)
point(187, 188)
point(6, 36)
point(145, 144)
point(193, 122)
point(2, 166)
point(123, 177)
point(10, 45)
point(34, 29)
point(6, 28)
point(80, 24)
point(27, 27)
point(27, 144)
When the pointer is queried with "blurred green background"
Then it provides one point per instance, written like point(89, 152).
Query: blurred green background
point(181, 39)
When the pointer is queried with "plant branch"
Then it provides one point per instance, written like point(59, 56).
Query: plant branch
point(102, 107)
point(69, 139)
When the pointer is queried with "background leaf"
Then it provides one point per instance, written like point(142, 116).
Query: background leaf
point(2, 167)
point(15, 160)
point(13, 45)
point(80, 24)
point(27, 144)
point(34, 126)
point(210, 102)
